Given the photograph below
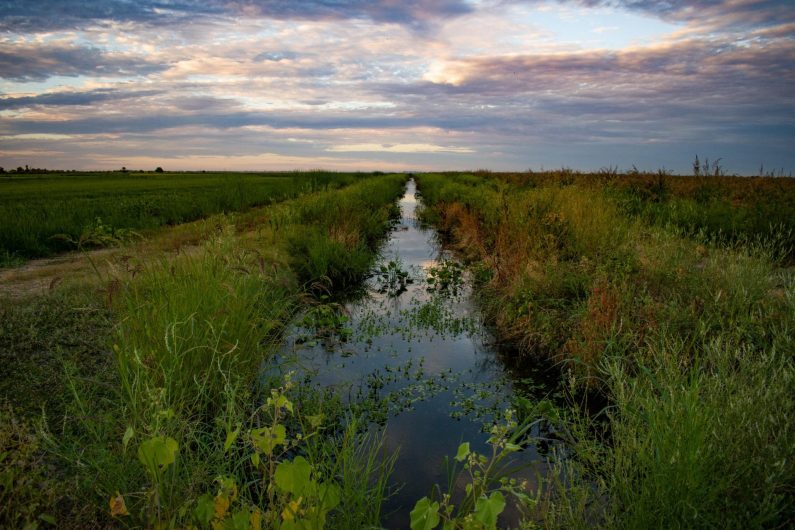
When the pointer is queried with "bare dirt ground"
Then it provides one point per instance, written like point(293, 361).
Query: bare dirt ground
point(89, 268)
point(40, 275)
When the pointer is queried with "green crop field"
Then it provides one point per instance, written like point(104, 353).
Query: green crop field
point(37, 210)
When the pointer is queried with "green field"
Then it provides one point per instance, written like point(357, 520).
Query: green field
point(662, 307)
point(37, 209)
point(171, 357)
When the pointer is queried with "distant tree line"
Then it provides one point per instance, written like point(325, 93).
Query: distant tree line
point(28, 169)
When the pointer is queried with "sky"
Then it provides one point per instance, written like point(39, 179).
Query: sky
point(388, 85)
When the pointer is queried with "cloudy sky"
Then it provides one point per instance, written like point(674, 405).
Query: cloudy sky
point(397, 84)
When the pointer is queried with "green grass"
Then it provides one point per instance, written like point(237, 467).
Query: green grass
point(174, 352)
point(678, 319)
point(685, 335)
point(34, 208)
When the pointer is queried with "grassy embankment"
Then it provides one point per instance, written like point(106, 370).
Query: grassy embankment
point(666, 296)
point(152, 405)
point(42, 214)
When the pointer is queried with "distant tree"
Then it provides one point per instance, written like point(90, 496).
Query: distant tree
point(2, 170)
point(159, 169)
point(20, 169)
point(123, 169)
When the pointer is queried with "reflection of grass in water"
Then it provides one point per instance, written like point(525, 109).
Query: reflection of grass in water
point(437, 315)
point(325, 320)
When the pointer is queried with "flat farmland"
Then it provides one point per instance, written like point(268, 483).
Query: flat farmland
point(42, 214)
point(328, 350)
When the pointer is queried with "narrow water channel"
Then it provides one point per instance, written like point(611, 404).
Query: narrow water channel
point(414, 343)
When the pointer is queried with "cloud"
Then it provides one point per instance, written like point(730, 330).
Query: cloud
point(355, 79)
point(149, 121)
point(407, 12)
point(397, 148)
point(36, 62)
point(277, 56)
point(74, 98)
point(713, 13)
point(48, 15)
point(691, 69)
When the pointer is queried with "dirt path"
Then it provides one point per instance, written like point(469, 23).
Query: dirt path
point(41, 275)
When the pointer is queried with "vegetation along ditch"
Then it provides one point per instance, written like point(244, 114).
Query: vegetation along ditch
point(449, 350)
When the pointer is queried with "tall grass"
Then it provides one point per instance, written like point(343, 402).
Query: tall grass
point(190, 323)
point(193, 332)
point(190, 335)
point(687, 339)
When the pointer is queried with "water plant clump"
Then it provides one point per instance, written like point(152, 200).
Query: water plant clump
point(392, 280)
point(446, 277)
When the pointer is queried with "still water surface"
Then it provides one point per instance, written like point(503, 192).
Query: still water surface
point(421, 349)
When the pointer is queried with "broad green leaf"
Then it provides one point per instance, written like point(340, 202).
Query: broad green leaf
point(255, 459)
point(227, 486)
point(239, 520)
point(463, 452)
point(266, 439)
point(329, 495)
point(425, 515)
point(205, 509)
point(158, 453)
point(293, 477)
point(231, 437)
point(487, 510)
point(315, 421)
point(280, 401)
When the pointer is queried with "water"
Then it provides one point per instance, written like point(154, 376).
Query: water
point(421, 349)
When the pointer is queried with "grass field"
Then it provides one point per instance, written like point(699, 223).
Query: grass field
point(664, 307)
point(42, 214)
point(168, 355)
point(678, 337)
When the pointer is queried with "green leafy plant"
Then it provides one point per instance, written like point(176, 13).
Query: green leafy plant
point(448, 276)
point(392, 279)
point(488, 481)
